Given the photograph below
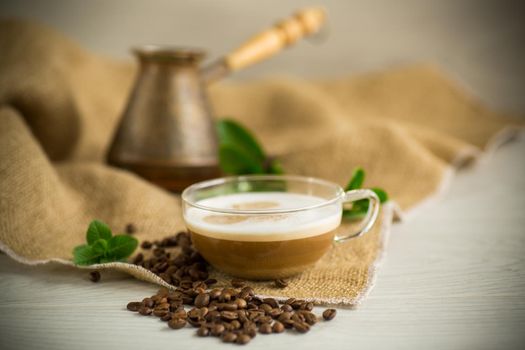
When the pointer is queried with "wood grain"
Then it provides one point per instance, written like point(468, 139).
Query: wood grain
point(453, 278)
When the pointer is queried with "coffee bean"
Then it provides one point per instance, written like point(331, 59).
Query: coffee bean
point(167, 317)
point(210, 281)
point(130, 229)
point(203, 331)
point(301, 327)
point(143, 310)
point(201, 300)
point(227, 306)
point(235, 324)
point(236, 283)
point(160, 312)
point(241, 303)
point(138, 259)
point(177, 323)
point(229, 337)
point(265, 307)
point(265, 328)
point(229, 315)
point(134, 306)
point(194, 313)
point(280, 283)
point(94, 276)
point(309, 318)
point(217, 329)
point(329, 314)
point(243, 339)
point(297, 304)
point(278, 327)
point(274, 313)
point(250, 329)
point(271, 301)
point(179, 314)
point(146, 245)
point(290, 301)
point(307, 306)
point(287, 308)
point(225, 296)
point(285, 316)
point(148, 302)
point(215, 294)
point(196, 322)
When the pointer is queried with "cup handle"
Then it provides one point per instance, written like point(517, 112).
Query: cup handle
point(371, 215)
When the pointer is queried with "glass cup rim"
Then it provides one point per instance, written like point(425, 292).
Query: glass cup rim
point(339, 193)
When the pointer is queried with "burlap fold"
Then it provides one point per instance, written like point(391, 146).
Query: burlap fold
point(59, 104)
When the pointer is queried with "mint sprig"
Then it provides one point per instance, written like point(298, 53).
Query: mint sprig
point(102, 246)
point(359, 208)
point(240, 153)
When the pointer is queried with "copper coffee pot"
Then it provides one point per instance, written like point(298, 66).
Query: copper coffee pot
point(167, 133)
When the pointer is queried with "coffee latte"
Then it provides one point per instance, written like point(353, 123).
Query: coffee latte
point(266, 238)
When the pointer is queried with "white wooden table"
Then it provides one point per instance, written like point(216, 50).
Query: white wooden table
point(453, 278)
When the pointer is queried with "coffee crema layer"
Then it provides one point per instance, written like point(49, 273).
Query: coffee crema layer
point(260, 225)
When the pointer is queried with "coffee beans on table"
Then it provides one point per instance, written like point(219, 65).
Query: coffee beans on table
point(329, 314)
point(280, 283)
point(94, 276)
point(233, 314)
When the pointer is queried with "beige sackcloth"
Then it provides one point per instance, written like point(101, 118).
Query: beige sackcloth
point(407, 127)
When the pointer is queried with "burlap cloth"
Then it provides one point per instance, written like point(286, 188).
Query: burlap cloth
point(407, 127)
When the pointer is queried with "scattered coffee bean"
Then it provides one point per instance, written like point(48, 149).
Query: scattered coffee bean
point(94, 276)
point(301, 327)
point(243, 339)
point(238, 283)
point(202, 299)
point(146, 245)
point(217, 329)
point(134, 306)
point(177, 323)
point(277, 327)
point(131, 229)
point(203, 331)
point(329, 314)
point(280, 283)
point(143, 310)
point(168, 316)
point(229, 337)
point(265, 328)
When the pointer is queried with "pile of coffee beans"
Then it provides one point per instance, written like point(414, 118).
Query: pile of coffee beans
point(178, 268)
point(235, 314)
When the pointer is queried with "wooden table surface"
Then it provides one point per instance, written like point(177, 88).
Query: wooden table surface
point(453, 276)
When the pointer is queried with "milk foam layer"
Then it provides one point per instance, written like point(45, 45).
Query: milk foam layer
point(263, 227)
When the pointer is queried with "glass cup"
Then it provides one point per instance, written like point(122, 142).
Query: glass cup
point(269, 226)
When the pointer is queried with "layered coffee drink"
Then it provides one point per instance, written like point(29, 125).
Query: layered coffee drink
point(263, 235)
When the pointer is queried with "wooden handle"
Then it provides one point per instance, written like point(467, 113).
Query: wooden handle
point(273, 40)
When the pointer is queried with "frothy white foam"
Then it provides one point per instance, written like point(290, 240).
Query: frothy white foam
point(263, 227)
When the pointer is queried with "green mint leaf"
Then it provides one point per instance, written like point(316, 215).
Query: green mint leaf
point(233, 160)
point(232, 133)
point(121, 247)
point(357, 179)
point(85, 255)
point(97, 230)
point(275, 168)
point(383, 196)
point(100, 246)
point(353, 214)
